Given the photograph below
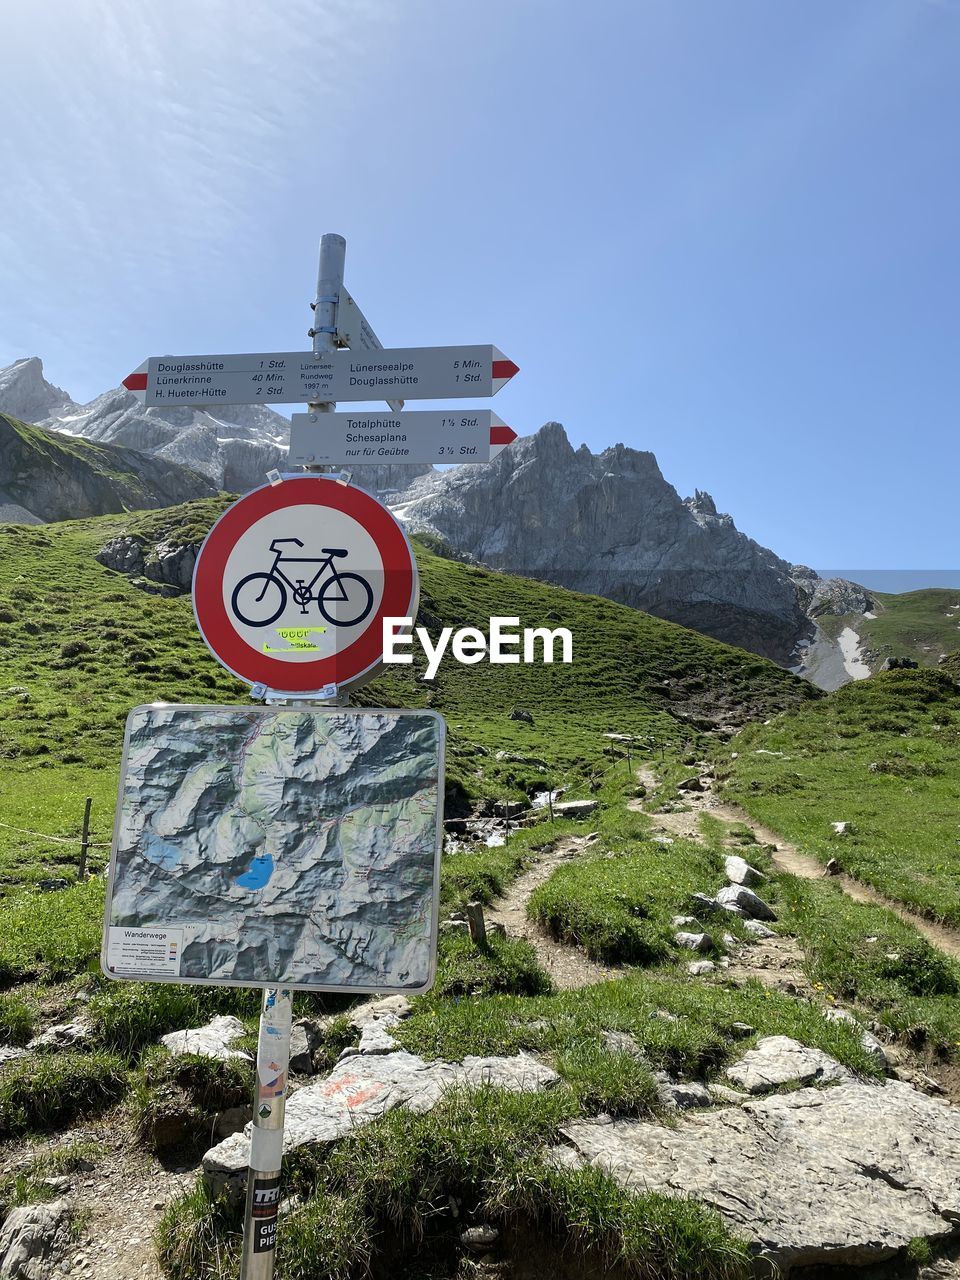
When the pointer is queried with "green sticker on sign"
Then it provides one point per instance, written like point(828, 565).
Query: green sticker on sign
point(298, 640)
point(299, 633)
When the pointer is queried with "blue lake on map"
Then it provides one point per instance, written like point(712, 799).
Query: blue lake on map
point(159, 851)
point(261, 869)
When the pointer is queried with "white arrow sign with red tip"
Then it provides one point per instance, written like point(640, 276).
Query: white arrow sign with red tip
point(355, 331)
point(419, 435)
point(411, 373)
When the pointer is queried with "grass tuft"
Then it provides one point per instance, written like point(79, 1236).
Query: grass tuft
point(176, 1099)
point(51, 936)
point(17, 1020)
point(617, 909)
point(505, 965)
point(199, 1235)
point(617, 1083)
point(50, 1091)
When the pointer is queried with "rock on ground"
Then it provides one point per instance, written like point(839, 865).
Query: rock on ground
point(621, 1042)
point(679, 1095)
point(694, 941)
point(780, 1060)
point(65, 1035)
point(847, 1175)
point(574, 808)
point(737, 895)
point(867, 1038)
point(374, 1038)
point(482, 1237)
point(388, 1010)
point(303, 1042)
point(30, 1239)
point(212, 1041)
point(758, 930)
point(739, 871)
point(362, 1088)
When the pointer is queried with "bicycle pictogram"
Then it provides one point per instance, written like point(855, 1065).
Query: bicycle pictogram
point(260, 598)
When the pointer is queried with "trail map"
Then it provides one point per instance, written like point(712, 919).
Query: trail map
point(277, 846)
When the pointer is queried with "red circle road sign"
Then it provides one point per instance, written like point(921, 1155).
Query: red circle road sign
point(293, 582)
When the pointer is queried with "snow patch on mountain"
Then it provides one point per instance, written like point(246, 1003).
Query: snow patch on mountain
point(854, 665)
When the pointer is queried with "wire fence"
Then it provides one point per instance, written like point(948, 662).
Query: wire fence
point(509, 813)
point(43, 835)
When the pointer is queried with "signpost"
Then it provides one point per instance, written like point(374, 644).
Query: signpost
point(419, 435)
point(415, 373)
point(290, 590)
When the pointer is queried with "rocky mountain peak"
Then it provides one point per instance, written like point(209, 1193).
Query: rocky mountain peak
point(610, 524)
point(621, 459)
point(551, 435)
point(830, 595)
point(701, 503)
point(27, 395)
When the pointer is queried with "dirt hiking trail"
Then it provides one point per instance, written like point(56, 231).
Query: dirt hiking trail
point(568, 966)
point(786, 856)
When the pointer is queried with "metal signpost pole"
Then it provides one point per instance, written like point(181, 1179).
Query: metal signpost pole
point(266, 1136)
point(333, 251)
point(273, 1044)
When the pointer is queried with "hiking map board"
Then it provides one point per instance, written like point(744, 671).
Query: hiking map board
point(268, 846)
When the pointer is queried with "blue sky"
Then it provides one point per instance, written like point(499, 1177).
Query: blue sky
point(721, 230)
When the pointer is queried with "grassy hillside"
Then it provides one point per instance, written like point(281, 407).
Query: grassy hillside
point(882, 754)
point(80, 645)
point(915, 624)
point(54, 475)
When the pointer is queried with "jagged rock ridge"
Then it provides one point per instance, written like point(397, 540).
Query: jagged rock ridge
point(26, 394)
point(610, 524)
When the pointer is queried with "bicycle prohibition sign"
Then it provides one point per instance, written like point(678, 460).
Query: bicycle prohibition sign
point(344, 599)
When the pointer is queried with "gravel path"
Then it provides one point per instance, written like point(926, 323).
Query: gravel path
point(119, 1202)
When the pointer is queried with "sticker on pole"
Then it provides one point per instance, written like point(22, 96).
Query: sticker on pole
point(277, 846)
point(293, 582)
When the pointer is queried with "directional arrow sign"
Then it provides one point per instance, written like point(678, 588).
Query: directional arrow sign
point(355, 331)
point(353, 328)
point(421, 435)
point(414, 373)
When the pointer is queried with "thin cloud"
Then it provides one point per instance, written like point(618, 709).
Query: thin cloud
point(144, 139)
